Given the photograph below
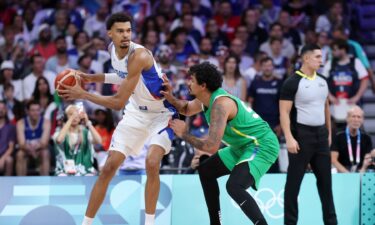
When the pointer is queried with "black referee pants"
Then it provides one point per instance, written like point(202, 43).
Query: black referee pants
point(314, 149)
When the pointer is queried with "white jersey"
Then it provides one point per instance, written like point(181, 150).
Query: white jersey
point(146, 96)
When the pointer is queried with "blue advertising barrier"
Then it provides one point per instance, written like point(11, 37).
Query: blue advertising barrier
point(63, 200)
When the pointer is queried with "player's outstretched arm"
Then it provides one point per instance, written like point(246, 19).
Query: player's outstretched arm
point(220, 112)
point(184, 107)
point(137, 62)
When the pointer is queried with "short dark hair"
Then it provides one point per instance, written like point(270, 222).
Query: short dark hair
point(60, 37)
point(341, 44)
point(207, 73)
point(308, 48)
point(266, 59)
point(35, 55)
point(117, 17)
point(30, 103)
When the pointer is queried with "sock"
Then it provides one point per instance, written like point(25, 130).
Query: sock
point(87, 221)
point(150, 218)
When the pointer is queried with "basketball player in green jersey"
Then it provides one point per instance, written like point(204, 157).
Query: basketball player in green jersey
point(252, 147)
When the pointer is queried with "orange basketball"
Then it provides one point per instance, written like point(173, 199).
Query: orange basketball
point(67, 77)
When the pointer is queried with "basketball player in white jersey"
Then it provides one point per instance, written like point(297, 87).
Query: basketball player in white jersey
point(146, 115)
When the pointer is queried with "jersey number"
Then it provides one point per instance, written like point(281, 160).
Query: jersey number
point(255, 116)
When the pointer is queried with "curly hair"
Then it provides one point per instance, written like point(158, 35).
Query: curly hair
point(117, 18)
point(207, 73)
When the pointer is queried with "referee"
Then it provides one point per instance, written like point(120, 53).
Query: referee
point(305, 120)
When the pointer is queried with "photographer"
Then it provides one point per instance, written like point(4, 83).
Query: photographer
point(74, 144)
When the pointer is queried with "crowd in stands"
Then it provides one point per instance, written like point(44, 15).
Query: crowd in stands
point(254, 43)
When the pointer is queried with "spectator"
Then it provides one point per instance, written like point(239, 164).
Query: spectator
point(277, 32)
point(95, 25)
point(347, 78)
point(42, 94)
point(138, 9)
point(226, 20)
point(217, 37)
point(194, 35)
point(166, 8)
point(7, 142)
point(74, 144)
point(263, 95)
point(192, 22)
point(351, 146)
point(15, 108)
point(355, 50)
point(105, 127)
point(280, 62)
point(300, 12)
point(323, 42)
point(45, 46)
point(7, 48)
point(205, 55)
point(270, 12)
point(255, 69)
point(237, 48)
point(164, 56)
point(60, 25)
point(6, 77)
point(201, 11)
point(256, 34)
point(61, 60)
point(289, 32)
point(33, 137)
point(183, 48)
point(334, 18)
point(233, 82)
point(28, 84)
point(81, 42)
point(221, 54)
point(150, 39)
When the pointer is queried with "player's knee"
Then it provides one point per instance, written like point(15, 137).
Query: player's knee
point(152, 166)
point(205, 172)
point(232, 187)
point(108, 171)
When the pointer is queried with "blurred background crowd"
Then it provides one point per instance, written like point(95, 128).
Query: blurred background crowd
point(255, 43)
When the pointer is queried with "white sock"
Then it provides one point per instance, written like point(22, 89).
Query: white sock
point(150, 218)
point(87, 221)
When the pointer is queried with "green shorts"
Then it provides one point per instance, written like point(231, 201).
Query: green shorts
point(260, 158)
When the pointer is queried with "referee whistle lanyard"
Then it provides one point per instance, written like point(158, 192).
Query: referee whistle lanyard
point(350, 149)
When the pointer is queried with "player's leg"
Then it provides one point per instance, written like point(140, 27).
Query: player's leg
point(239, 181)
point(114, 160)
point(153, 160)
point(209, 171)
point(160, 144)
point(128, 138)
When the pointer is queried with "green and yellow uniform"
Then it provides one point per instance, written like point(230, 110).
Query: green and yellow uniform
point(248, 138)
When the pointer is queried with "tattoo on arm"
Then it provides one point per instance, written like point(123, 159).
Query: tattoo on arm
point(216, 131)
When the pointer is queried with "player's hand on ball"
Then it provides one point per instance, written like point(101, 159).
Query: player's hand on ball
point(85, 77)
point(71, 92)
point(179, 127)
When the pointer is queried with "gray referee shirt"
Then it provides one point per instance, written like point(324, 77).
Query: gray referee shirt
point(309, 96)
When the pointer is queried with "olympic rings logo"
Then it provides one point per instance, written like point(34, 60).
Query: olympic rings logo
point(270, 202)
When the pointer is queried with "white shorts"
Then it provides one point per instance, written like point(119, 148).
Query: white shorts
point(135, 128)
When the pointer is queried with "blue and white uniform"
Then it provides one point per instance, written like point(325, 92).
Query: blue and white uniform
point(147, 113)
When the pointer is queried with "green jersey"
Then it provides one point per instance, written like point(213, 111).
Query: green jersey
point(249, 139)
point(245, 128)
